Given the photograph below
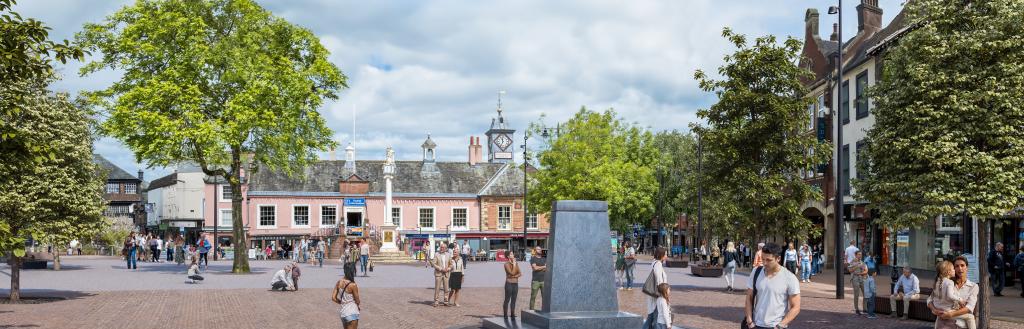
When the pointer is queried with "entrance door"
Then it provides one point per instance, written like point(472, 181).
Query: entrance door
point(354, 219)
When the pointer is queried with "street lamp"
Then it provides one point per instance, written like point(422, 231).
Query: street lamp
point(545, 132)
point(837, 209)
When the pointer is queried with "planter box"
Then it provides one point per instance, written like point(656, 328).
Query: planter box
point(706, 271)
point(33, 265)
point(681, 263)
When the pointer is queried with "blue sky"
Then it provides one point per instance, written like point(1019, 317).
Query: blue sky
point(418, 67)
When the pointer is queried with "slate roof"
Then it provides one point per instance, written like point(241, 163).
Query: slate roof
point(113, 172)
point(860, 54)
point(163, 181)
point(324, 175)
point(507, 182)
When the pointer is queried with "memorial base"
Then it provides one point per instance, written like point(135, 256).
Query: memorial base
point(634, 321)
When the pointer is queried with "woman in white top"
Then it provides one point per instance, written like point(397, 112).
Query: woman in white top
point(346, 293)
point(193, 272)
point(457, 276)
point(790, 259)
point(659, 315)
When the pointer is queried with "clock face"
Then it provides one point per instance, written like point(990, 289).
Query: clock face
point(503, 142)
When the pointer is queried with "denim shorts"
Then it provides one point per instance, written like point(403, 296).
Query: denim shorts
point(350, 318)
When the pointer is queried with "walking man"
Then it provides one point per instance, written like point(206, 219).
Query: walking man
point(997, 267)
point(850, 251)
point(465, 252)
point(364, 256)
point(441, 275)
point(906, 289)
point(539, 266)
point(203, 246)
point(773, 301)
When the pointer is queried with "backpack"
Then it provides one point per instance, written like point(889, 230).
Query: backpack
point(753, 304)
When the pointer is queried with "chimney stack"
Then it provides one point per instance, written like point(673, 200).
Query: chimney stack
point(811, 24)
point(332, 155)
point(869, 17)
point(140, 174)
point(835, 32)
point(475, 151)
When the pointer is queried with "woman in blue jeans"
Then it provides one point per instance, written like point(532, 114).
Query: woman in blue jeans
point(630, 262)
point(129, 252)
point(805, 263)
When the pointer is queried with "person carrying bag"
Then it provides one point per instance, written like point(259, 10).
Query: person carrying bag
point(656, 287)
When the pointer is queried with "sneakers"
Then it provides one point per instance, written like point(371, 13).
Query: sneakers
point(872, 316)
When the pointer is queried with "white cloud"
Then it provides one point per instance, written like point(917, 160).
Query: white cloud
point(418, 67)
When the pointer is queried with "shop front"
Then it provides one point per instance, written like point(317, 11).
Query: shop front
point(279, 244)
point(355, 217)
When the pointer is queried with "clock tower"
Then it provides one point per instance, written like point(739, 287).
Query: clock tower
point(500, 138)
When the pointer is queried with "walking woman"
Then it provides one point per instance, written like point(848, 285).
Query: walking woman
point(170, 250)
point(790, 259)
point(179, 252)
point(620, 266)
point(805, 263)
point(731, 258)
point(630, 263)
point(512, 275)
point(456, 277)
point(129, 252)
point(346, 293)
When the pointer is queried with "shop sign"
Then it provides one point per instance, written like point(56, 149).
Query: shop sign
point(441, 236)
point(229, 253)
point(183, 224)
point(417, 236)
point(355, 202)
point(903, 239)
point(252, 253)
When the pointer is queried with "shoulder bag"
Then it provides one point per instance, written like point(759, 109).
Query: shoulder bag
point(753, 303)
point(651, 286)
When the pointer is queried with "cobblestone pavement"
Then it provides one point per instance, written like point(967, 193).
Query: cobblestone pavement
point(102, 294)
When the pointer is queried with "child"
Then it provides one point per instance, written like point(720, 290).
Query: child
point(946, 298)
point(193, 272)
point(869, 292)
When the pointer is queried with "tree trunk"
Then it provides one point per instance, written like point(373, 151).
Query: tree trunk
point(56, 261)
point(983, 286)
point(241, 261)
point(15, 278)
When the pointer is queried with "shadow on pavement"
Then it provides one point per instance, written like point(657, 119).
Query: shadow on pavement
point(49, 293)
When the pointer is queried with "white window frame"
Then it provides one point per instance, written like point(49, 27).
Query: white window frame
point(221, 217)
point(259, 216)
point(134, 188)
point(511, 217)
point(220, 192)
point(116, 186)
point(536, 222)
point(336, 212)
point(939, 224)
point(397, 220)
point(463, 227)
point(309, 215)
point(433, 211)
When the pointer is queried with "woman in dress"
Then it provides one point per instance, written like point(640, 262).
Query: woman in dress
point(455, 279)
point(179, 252)
point(346, 293)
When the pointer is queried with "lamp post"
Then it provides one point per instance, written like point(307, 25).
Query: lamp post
point(700, 190)
point(838, 207)
point(545, 132)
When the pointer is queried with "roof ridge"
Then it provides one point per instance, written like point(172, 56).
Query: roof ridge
point(493, 179)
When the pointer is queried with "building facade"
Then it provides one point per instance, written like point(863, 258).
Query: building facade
point(124, 195)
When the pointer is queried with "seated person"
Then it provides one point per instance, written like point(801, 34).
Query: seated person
point(282, 279)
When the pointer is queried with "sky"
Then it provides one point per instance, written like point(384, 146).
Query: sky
point(436, 67)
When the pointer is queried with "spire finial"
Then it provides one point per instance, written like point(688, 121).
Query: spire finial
point(500, 92)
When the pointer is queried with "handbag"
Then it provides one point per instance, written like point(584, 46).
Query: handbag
point(650, 286)
point(753, 304)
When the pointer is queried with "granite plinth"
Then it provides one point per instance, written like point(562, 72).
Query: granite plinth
point(590, 320)
point(580, 275)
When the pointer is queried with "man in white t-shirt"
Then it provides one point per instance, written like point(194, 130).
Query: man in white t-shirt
point(778, 293)
point(364, 255)
point(851, 252)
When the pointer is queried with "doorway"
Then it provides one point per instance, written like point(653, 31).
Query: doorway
point(354, 219)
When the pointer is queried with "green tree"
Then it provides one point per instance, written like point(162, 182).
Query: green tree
point(210, 82)
point(54, 199)
point(675, 173)
point(947, 136)
point(597, 156)
point(755, 142)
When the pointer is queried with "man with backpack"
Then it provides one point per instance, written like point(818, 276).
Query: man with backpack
point(773, 296)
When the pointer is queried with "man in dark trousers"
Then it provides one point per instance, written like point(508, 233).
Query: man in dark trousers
point(539, 266)
point(997, 267)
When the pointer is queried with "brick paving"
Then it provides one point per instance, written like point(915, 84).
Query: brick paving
point(101, 295)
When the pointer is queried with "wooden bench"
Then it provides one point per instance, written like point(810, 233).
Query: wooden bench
point(677, 262)
point(918, 308)
point(706, 271)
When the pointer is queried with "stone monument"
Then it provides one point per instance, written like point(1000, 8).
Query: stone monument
point(389, 229)
point(579, 286)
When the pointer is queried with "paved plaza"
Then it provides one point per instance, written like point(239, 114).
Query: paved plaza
point(102, 294)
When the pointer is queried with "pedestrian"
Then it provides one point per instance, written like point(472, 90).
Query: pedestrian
point(758, 256)
point(731, 258)
point(630, 264)
point(442, 270)
point(850, 251)
point(364, 256)
point(716, 252)
point(269, 252)
point(304, 250)
point(870, 260)
point(773, 299)
point(425, 249)
point(805, 263)
point(790, 259)
point(539, 266)
point(170, 250)
point(907, 288)
point(140, 247)
point(858, 272)
point(159, 248)
point(869, 292)
point(744, 255)
point(353, 256)
point(129, 251)
point(466, 251)
point(817, 260)
point(282, 279)
point(997, 269)
point(1018, 263)
point(512, 275)
point(346, 293)
point(620, 267)
point(320, 254)
point(179, 252)
point(203, 247)
point(967, 292)
point(659, 315)
point(703, 251)
point(296, 273)
point(458, 270)
point(193, 272)
point(192, 252)
point(945, 297)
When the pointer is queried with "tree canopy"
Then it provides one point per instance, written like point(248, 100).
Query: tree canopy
point(755, 141)
point(210, 82)
point(598, 156)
